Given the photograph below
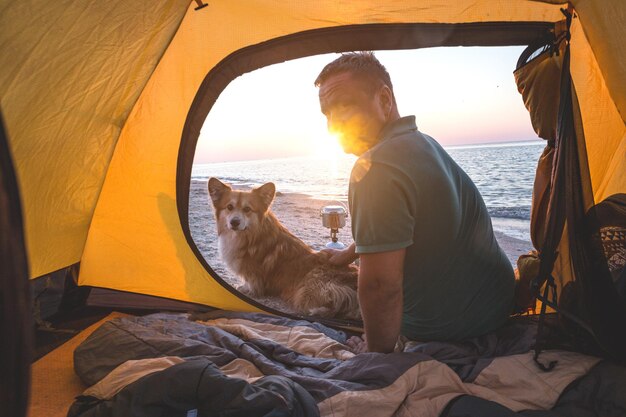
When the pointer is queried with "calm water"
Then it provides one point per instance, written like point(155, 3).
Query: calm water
point(503, 173)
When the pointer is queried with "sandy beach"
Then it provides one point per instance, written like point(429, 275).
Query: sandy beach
point(301, 215)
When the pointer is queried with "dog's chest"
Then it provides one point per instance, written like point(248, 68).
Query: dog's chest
point(230, 251)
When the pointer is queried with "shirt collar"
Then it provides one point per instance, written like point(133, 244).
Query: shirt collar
point(397, 127)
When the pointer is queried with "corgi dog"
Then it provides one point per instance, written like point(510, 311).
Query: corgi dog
point(272, 261)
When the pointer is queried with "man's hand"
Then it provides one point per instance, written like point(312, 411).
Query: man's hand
point(357, 345)
point(335, 256)
point(339, 257)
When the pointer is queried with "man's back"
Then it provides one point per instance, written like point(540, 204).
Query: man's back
point(406, 192)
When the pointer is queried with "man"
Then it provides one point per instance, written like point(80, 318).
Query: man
point(430, 266)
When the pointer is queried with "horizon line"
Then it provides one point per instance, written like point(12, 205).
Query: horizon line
point(455, 146)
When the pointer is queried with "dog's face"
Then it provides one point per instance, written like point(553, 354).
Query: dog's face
point(240, 210)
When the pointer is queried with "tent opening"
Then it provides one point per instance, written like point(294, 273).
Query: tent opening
point(266, 126)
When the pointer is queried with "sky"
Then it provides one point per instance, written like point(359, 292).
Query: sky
point(459, 95)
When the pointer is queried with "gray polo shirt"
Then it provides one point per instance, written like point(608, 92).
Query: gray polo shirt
point(407, 192)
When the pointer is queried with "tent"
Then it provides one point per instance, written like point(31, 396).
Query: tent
point(102, 104)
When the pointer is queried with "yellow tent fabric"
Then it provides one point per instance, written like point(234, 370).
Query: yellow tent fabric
point(70, 75)
point(96, 96)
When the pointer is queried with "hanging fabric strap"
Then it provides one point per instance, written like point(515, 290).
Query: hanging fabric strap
point(565, 136)
point(556, 206)
point(540, 332)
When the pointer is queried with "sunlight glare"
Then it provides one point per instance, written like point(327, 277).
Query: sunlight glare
point(327, 147)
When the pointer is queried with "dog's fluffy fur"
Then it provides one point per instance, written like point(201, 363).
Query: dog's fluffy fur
point(273, 262)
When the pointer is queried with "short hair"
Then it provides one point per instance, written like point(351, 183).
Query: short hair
point(362, 64)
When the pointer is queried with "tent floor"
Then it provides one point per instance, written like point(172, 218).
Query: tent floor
point(63, 326)
point(54, 385)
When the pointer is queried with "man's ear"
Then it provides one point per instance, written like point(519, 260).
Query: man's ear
point(217, 189)
point(266, 192)
point(385, 97)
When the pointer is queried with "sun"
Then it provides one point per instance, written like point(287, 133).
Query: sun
point(327, 146)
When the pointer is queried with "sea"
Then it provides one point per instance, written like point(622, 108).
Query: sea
point(503, 172)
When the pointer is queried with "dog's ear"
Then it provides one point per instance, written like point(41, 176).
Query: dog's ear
point(217, 189)
point(266, 192)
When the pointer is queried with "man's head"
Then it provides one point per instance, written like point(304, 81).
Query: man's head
point(356, 96)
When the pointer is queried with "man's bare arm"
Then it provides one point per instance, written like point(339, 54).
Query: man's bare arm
point(380, 296)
